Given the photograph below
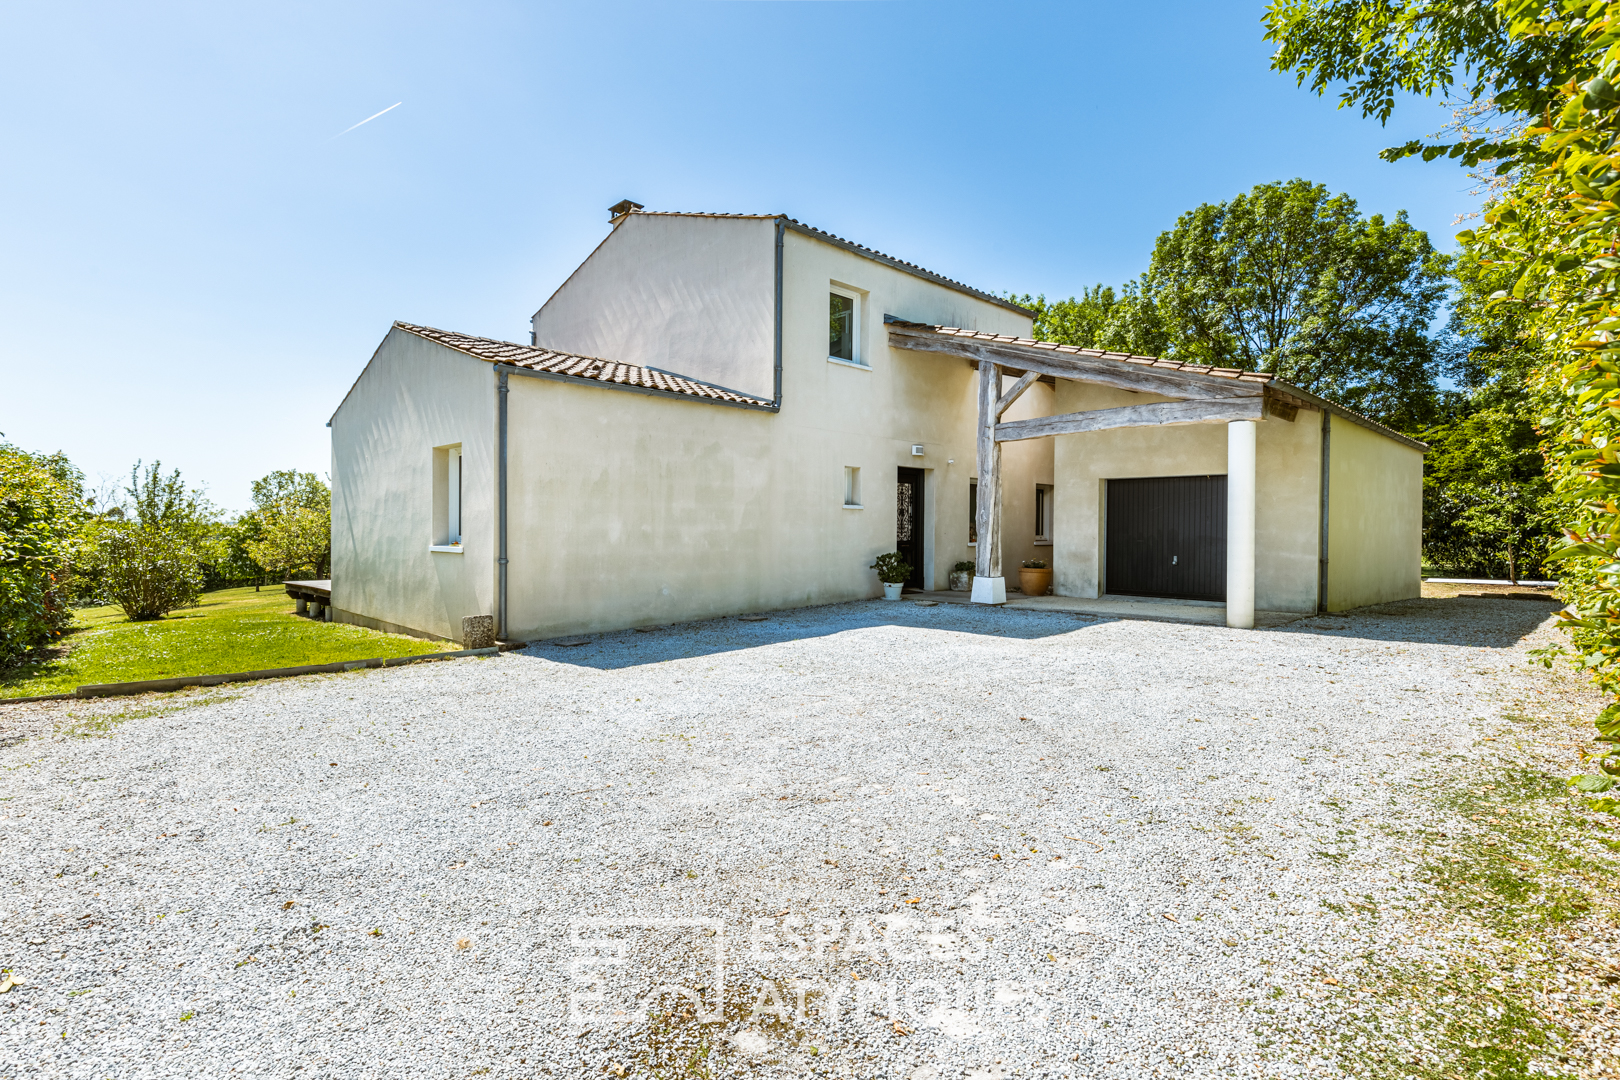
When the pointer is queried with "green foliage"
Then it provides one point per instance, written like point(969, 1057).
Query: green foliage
point(892, 568)
point(1554, 66)
point(42, 508)
point(1100, 318)
point(1034, 564)
point(295, 539)
point(1375, 49)
point(964, 565)
point(1487, 506)
point(1288, 279)
point(289, 530)
point(1292, 280)
point(152, 557)
point(289, 487)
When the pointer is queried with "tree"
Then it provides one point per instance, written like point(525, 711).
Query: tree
point(1487, 506)
point(290, 528)
point(1552, 68)
point(1291, 280)
point(289, 487)
point(42, 509)
point(295, 538)
point(153, 557)
point(1099, 318)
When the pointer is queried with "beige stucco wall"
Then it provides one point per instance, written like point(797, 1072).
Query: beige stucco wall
point(1288, 483)
point(627, 509)
point(413, 396)
point(691, 295)
point(638, 510)
point(1375, 518)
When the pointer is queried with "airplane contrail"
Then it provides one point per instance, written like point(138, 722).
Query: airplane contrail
point(368, 119)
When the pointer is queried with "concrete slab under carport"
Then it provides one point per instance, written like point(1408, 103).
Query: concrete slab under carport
point(1203, 612)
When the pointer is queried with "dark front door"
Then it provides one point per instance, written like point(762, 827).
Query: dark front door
point(908, 529)
point(1167, 537)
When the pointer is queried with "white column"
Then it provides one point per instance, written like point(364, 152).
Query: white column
point(1240, 524)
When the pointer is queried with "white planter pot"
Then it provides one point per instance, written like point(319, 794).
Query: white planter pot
point(891, 589)
point(961, 580)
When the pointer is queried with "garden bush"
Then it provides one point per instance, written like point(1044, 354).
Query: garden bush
point(42, 511)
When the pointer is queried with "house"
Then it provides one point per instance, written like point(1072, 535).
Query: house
point(724, 413)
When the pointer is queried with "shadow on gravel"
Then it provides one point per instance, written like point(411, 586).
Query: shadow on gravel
point(1486, 622)
point(631, 648)
point(1479, 622)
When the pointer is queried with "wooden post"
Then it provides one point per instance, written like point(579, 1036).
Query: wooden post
point(989, 587)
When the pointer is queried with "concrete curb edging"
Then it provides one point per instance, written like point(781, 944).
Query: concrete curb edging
point(144, 686)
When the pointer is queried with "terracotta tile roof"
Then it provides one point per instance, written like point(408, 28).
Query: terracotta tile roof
point(1099, 354)
point(1274, 385)
point(584, 368)
point(850, 245)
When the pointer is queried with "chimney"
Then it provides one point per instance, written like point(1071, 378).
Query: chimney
point(623, 209)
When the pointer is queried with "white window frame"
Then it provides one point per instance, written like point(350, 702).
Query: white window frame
point(852, 488)
point(1044, 538)
point(857, 320)
point(447, 499)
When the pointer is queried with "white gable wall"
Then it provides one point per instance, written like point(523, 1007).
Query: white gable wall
point(693, 295)
point(414, 395)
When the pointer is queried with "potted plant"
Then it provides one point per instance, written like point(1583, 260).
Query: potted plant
point(893, 570)
point(962, 577)
point(1035, 577)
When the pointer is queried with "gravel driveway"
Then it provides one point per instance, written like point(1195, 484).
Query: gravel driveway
point(868, 840)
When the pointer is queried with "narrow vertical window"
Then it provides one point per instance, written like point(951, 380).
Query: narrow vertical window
point(852, 486)
point(973, 511)
point(1043, 513)
point(447, 493)
point(844, 326)
point(452, 518)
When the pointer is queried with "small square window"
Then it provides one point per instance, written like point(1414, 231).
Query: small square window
point(852, 486)
point(844, 326)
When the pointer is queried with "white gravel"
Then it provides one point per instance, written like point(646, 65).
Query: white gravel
point(481, 867)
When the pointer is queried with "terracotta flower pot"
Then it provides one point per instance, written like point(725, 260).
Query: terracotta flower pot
point(961, 580)
point(1034, 582)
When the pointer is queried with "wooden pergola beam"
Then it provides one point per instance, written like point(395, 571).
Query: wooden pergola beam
point(1015, 391)
point(1196, 411)
point(1116, 373)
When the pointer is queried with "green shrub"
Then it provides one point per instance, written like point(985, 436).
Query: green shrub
point(152, 555)
point(892, 568)
point(147, 570)
point(963, 565)
point(41, 513)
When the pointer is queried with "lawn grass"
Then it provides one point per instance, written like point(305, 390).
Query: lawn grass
point(231, 630)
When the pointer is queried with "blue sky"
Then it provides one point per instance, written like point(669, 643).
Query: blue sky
point(193, 269)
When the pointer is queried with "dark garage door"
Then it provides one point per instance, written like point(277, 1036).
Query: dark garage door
point(1167, 537)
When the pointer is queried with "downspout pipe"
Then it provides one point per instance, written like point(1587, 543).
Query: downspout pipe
point(781, 233)
point(1322, 528)
point(500, 501)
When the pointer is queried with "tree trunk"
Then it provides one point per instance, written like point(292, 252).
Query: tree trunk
point(1513, 566)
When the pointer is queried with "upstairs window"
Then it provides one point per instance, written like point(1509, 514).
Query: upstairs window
point(852, 487)
point(844, 326)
